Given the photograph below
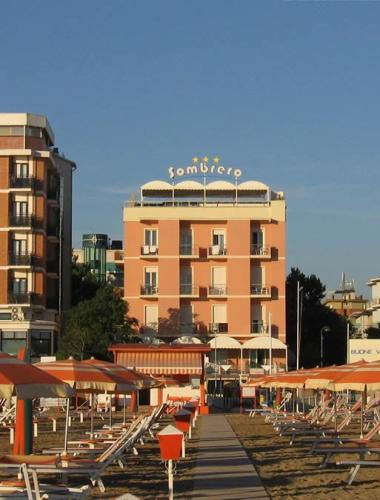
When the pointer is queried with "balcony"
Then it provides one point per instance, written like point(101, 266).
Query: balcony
point(149, 290)
point(25, 183)
point(29, 221)
point(258, 327)
point(149, 251)
point(52, 303)
point(218, 328)
point(188, 290)
point(149, 328)
point(24, 298)
point(217, 291)
point(52, 230)
point(260, 251)
point(53, 194)
point(216, 251)
point(260, 291)
point(188, 251)
point(20, 259)
point(52, 266)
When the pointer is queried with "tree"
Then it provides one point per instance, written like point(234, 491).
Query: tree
point(84, 284)
point(314, 317)
point(92, 325)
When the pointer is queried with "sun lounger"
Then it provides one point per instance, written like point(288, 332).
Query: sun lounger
point(361, 449)
point(356, 465)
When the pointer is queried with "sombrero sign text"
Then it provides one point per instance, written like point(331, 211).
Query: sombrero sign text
point(202, 167)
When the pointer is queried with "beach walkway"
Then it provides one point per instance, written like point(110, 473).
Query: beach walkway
point(223, 469)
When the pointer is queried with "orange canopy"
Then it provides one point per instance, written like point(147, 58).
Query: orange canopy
point(365, 376)
point(138, 380)
point(85, 377)
point(26, 381)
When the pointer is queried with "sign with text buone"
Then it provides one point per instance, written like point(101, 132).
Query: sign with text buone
point(367, 349)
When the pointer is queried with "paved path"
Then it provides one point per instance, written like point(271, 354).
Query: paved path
point(223, 469)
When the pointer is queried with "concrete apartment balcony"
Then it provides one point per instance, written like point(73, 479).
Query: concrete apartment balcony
point(25, 183)
point(217, 252)
point(29, 298)
point(260, 252)
point(215, 328)
point(20, 259)
point(259, 327)
point(260, 291)
point(188, 251)
point(149, 291)
point(217, 291)
point(188, 290)
point(149, 251)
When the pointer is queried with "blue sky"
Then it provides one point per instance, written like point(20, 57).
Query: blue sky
point(288, 91)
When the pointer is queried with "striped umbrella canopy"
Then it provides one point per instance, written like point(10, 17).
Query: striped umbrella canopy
point(26, 381)
point(364, 377)
point(328, 375)
point(85, 377)
point(292, 380)
point(136, 382)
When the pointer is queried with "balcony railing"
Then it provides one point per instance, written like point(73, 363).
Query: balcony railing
point(260, 250)
point(21, 220)
point(218, 327)
point(186, 250)
point(188, 289)
point(217, 290)
point(217, 250)
point(20, 259)
point(149, 250)
point(25, 183)
point(149, 327)
point(24, 298)
point(259, 327)
point(260, 290)
point(149, 290)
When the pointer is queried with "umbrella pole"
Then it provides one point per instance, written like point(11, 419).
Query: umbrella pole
point(335, 414)
point(92, 416)
point(110, 411)
point(66, 425)
point(124, 412)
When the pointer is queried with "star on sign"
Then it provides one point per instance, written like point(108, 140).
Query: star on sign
point(195, 159)
point(205, 159)
point(216, 159)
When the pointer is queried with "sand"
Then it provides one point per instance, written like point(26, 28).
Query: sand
point(287, 472)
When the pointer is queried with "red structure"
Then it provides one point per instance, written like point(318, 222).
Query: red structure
point(177, 366)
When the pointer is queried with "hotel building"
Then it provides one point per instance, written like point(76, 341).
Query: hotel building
point(205, 262)
point(35, 234)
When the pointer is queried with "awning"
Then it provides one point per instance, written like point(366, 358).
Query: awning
point(264, 342)
point(162, 363)
point(224, 342)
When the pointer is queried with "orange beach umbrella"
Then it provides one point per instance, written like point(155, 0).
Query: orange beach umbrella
point(26, 381)
point(364, 377)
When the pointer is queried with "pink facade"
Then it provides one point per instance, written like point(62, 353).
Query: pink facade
point(206, 268)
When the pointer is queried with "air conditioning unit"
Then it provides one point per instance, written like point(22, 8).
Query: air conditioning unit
point(215, 250)
point(17, 314)
point(145, 249)
point(153, 249)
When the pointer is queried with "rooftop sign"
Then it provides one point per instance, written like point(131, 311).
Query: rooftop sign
point(202, 167)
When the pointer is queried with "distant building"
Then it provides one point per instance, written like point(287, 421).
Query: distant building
point(345, 301)
point(205, 262)
point(103, 257)
point(35, 234)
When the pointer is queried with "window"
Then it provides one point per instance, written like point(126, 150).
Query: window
point(22, 170)
point(12, 342)
point(186, 241)
point(5, 316)
point(150, 280)
point(258, 358)
point(186, 319)
point(20, 208)
point(151, 237)
point(41, 343)
point(19, 247)
point(11, 131)
point(151, 318)
point(19, 285)
point(219, 238)
point(257, 237)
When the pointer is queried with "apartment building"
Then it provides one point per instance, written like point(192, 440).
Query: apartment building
point(35, 234)
point(205, 262)
point(103, 257)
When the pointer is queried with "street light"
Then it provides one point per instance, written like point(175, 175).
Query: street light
point(324, 329)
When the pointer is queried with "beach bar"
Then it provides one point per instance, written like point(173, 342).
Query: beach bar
point(180, 368)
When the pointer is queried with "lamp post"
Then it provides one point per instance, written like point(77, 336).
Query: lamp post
point(324, 329)
point(299, 290)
